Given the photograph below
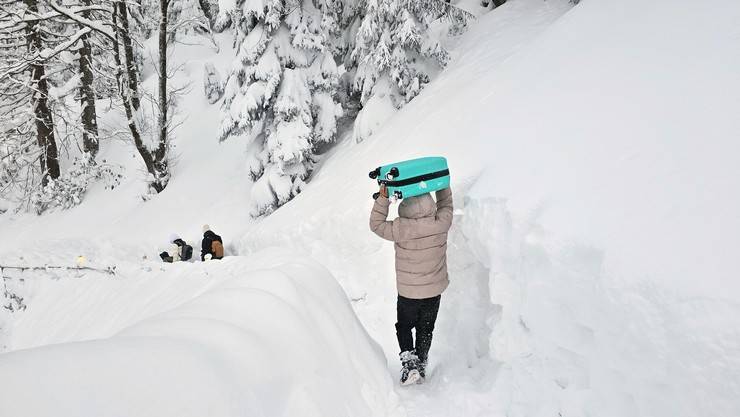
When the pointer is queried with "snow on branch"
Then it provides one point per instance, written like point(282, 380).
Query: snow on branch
point(43, 55)
point(111, 270)
point(73, 14)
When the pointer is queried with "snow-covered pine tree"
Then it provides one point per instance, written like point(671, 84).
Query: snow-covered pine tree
point(188, 16)
point(395, 53)
point(280, 94)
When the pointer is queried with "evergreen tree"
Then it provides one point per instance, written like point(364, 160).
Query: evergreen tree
point(394, 54)
point(280, 94)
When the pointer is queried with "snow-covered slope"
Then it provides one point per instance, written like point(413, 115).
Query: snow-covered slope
point(209, 179)
point(269, 335)
point(594, 250)
point(603, 216)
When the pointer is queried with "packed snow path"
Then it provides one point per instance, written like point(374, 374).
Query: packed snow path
point(462, 370)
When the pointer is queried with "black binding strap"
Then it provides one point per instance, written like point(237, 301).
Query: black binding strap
point(414, 180)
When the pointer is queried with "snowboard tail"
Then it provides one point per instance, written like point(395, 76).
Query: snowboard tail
point(413, 177)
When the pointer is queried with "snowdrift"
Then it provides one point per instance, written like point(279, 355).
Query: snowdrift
point(270, 335)
point(605, 218)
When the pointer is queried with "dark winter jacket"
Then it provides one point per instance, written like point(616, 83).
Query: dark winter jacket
point(207, 247)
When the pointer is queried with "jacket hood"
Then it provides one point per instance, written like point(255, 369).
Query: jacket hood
point(417, 207)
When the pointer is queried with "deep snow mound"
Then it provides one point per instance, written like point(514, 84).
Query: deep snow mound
point(574, 339)
point(268, 335)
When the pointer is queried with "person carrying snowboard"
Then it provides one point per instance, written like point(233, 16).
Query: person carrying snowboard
point(419, 235)
point(212, 247)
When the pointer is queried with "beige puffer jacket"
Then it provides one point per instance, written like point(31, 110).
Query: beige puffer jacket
point(420, 240)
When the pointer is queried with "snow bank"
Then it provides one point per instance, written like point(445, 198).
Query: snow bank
point(269, 335)
point(605, 218)
point(575, 340)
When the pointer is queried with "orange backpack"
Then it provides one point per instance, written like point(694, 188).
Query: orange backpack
point(217, 249)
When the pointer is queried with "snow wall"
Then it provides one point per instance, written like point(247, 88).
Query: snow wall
point(605, 217)
point(574, 340)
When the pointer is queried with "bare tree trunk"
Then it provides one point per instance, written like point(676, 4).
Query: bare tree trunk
point(208, 12)
point(152, 166)
point(128, 50)
point(40, 101)
point(163, 4)
point(156, 162)
point(160, 155)
point(117, 51)
point(87, 94)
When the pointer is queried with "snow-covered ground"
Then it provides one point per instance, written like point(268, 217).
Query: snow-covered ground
point(592, 162)
point(594, 252)
point(272, 334)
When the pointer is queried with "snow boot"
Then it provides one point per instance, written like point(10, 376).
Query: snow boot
point(410, 368)
point(422, 371)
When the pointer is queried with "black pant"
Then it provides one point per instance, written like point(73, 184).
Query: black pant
point(420, 314)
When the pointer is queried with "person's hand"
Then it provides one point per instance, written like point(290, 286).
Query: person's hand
point(383, 191)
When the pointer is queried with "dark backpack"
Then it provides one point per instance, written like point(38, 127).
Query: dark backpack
point(186, 251)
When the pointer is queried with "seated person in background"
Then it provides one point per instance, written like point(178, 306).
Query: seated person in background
point(179, 251)
point(213, 246)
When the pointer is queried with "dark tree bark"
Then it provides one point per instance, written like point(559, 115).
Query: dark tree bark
point(40, 100)
point(208, 11)
point(163, 105)
point(156, 162)
point(87, 94)
point(160, 155)
point(128, 50)
point(158, 169)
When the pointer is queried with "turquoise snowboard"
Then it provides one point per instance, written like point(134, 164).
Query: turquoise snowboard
point(413, 177)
